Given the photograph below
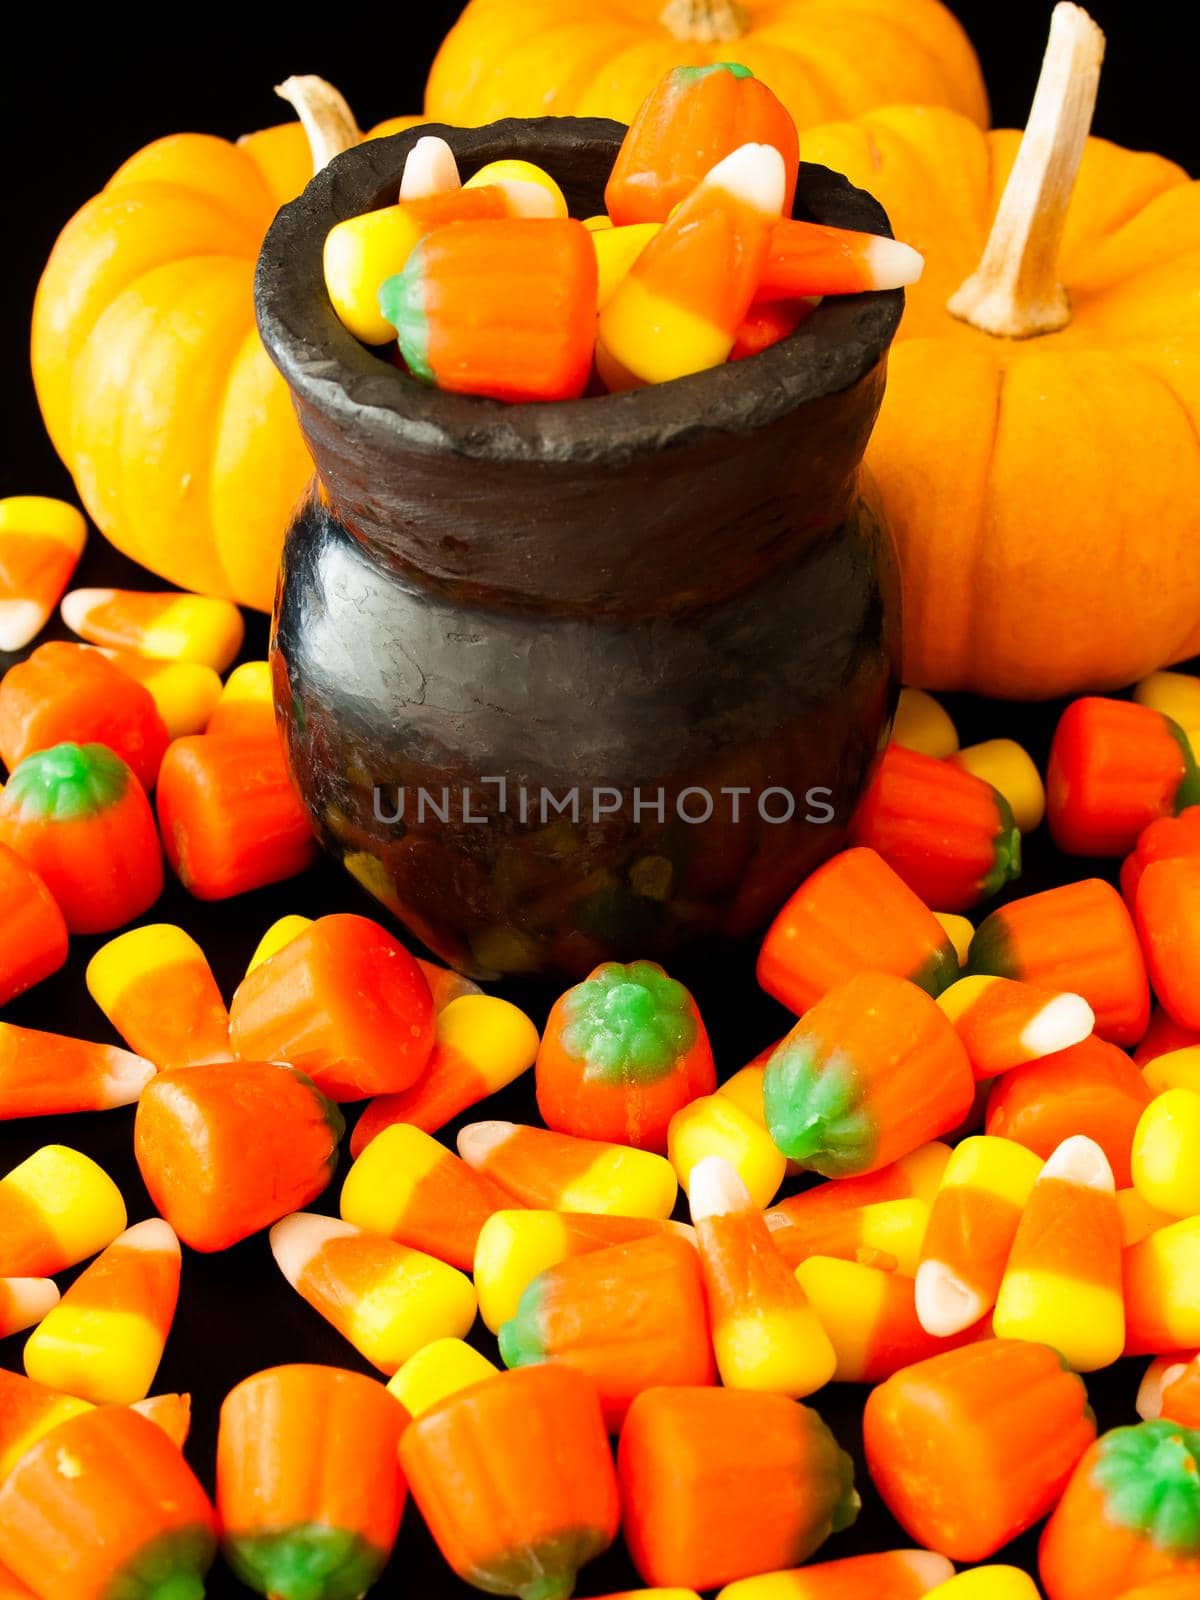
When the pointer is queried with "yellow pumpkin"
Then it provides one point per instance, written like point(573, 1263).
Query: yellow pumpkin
point(150, 374)
point(601, 58)
point(1038, 451)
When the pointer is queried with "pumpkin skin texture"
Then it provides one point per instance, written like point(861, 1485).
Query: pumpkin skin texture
point(1044, 492)
point(152, 380)
point(601, 58)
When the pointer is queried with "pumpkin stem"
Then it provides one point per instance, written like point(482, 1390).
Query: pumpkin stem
point(328, 120)
point(1015, 292)
point(703, 21)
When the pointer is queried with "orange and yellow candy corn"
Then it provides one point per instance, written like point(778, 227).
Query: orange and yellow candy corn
point(280, 933)
point(436, 1370)
point(104, 1340)
point(972, 1224)
point(678, 309)
point(35, 937)
point(167, 626)
point(561, 1173)
point(515, 1246)
point(246, 708)
point(41, 541)
point(29, 1410)
point(716, 1125)
point(24, 1302)
point(385, 1298)
point(47, 1074)
point(56, 1208)
point(893, 1575)
point(480, 1045)
point(805, 258)
point(887, 1234)
point(765, 1334)
point(408, 1187)
point(1004, 1023)
point(155, 986)
point(185, 692)
point(429, 168)
point(915, 1176)
point(1062, 1284)
point(1162, 1311)
point(445, 984)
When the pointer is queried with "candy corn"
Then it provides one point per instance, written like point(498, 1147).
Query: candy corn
point(499, 308)
point(56, 1208)
point(972, 1225)
point(28, 1411)
point(765, 1333)
point(515, 1246)
point(429, 168)
point(1174, 694)
point(893, 1575)
point(806, 258)
point(871, 1072)
point(632, 1317)
point(34, 933)
point(309, 1491)
point(1077, 939)
point(716, 1125)
point(1161, 1308)
point(47, 1074)
point(1115, 767)
point(410, 1188)
point(922, 723)
point(870, 1316)
point(514, 1477)
point(852, 915)
point(1129, 1514)
point(230, 819)
point(68, 693)
point(246, 709)
point(227, 1149)
point(621, 1053)
point(156, 988)
point(971, 1447)
point(1003, 1023)
point(1166, 1153)
point(1062, 1284)
point(24, 1302)
point(41, 541)
point(437, 1370)
point(693, 118)
point(528, 189)
point(386, 1299)
point(990, 1583)
point(914, 1177)
point(720, 1484)
point(169, 627)
point(887, 1234)
point(1092, 1088)
point(185, 692)
point(560, 1173)
point(1009, 768)
point(948, 835)
point(276, 936)
point(105, 1505)
point(1138, 1219)
point(344, 1002)
point(678, 309)
point(481, 1044)
point(616, 251)
point(1168, 923)
point(77, 815)
point(104, 1340)
point(445, 985)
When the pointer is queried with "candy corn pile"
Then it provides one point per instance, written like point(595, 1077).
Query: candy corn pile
point(490, 288)
point(965, 1179)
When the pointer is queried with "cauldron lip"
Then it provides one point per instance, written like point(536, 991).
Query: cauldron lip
point(385, 409)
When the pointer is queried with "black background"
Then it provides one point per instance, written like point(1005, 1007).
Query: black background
point(81, 97)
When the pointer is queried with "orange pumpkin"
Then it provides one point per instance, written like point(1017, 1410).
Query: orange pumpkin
point(601, 58)
point(152, 380)
point(1038, 450)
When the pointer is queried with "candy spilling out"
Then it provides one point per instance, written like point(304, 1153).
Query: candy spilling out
point(987, 1196)
point(489, 287)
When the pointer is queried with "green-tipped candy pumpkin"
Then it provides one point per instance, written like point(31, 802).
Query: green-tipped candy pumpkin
point(79, 817)
point(947, 833)
point(871, 1072)
point(309, 1489)
point(621, 1053)
point(514, 1477)
point(1130, 1515)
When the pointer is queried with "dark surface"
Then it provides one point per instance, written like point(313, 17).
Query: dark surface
point(86, 95)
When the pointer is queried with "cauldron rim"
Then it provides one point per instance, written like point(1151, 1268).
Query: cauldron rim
point(384, 409)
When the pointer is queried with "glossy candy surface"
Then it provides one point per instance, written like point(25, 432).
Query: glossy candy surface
point(35, 939)
point(167, 626)
point(57, 1207)
point(155, 986)
point(562, 1173)
point(41, 541)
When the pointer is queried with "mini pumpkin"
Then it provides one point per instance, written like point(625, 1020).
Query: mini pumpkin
point(152, 380)
point(601, 58)
point(1038, 450)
